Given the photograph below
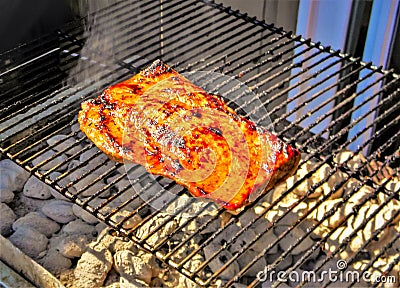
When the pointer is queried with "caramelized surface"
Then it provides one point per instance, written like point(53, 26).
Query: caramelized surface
point(175, 129)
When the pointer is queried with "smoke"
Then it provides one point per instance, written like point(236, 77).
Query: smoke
point(95, 61)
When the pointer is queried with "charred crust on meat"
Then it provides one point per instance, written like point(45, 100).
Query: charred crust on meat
point(96, 101)
point(215, 130)
point(110, 106)
point(157, 68)
point(152, 153)
point(177, 80)
point(126, 149)
point(153, 122)
point(196, 113)
point(176, 165)
point(102, 100)
point(134, 88)
point(179, 143)
point(251, 126)
point(202, 192)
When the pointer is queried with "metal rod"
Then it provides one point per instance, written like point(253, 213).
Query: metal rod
point(330, 213)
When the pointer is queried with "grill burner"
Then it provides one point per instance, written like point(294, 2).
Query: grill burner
point(299, 82)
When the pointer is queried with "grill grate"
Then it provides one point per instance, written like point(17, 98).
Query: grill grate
point(311, 96)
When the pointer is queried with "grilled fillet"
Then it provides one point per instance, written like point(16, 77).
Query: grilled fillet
point(160, 120)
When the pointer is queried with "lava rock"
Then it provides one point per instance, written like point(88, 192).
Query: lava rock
point(60, 211)
point(150, 259)
point(30, 241)
point(130, 221)
point(135, 283)
point(79, 227)
point(73, 246)
point(162, 219)
point(13, 173)
point(84, 177)
point(112, 280)
point(58, 196)
point(131, 267)
point(84, 215)
point(39, 222)
point(93, 266)
point(248, 257)
point(63, 142)
point(220, 260)
point(12, 179)
point(6, 194)
point(63, 182)
point(35, 188)
point(101, 227)
point(55, 262)
point(292, 237)
point(52, 163)
point(7, 218)
point(115, 244)
point(30, 204)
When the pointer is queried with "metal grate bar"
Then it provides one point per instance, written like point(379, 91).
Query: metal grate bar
point(25, 100)
point(52, 104)
point(154, 197)
point(208, 59)
point(145, 33)
point(315, 95)
point(276, 96)
point(201, 36)
point(149, 20)
point(348, 111)
point(179, 228)
point(311, 190)
point(280, 68)
point(98, 18)
point(115, 196)
point(265, 72)
point(309, 156)
point(270, 59)
point(238, 35)
point(375, 233)
point(26, 52)
point(384, 249)
point(72, 134)
point(330, 213)
point(34, 77)
point(280, 31)
point(273, 59)
point(324, 103)
point(201, 228)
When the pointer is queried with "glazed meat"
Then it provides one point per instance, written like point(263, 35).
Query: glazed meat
point(160, 120)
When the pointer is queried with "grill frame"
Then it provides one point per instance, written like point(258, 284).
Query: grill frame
point(121, 67)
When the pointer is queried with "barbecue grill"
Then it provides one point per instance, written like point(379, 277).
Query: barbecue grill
point(311, 92)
